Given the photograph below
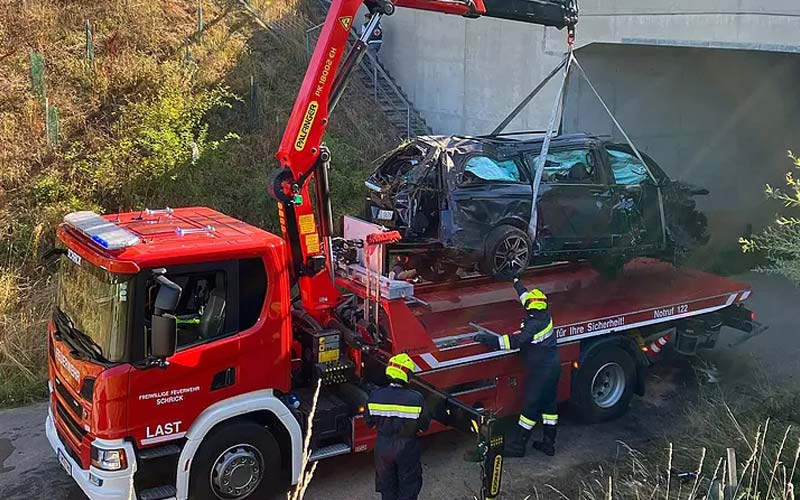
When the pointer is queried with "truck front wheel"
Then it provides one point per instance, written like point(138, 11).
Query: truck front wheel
point(239, 461)
point(604, 384)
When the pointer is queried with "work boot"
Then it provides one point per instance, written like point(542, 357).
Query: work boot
point(516, 444)
point(548, 443)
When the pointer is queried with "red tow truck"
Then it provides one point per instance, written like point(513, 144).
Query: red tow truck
point(187, 345)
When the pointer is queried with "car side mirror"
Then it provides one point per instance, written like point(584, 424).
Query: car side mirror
point(163, 336)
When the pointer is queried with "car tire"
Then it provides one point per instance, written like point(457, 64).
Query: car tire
point(507, 253)
point(604, 385)
point(220, 456)
point(436, 272)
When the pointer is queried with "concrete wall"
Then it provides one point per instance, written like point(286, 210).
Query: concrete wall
point(722, 119)
point(464, 75)
point(709, 88)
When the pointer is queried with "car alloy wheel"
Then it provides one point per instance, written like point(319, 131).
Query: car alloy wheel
point(511, 255)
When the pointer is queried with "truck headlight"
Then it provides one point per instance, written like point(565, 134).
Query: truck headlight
point(110, 460)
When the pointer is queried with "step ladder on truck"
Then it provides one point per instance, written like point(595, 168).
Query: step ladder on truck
point(182, 365)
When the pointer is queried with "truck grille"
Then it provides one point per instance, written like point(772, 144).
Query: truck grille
point(73, 403)
point(74, 428)
point(67, 447)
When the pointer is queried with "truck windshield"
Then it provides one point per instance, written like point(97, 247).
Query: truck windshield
point(96, 303)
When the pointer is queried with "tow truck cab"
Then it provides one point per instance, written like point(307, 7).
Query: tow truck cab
point(111, 398)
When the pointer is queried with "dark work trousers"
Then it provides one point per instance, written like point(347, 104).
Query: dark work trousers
point(398, 467)
point(542, 371)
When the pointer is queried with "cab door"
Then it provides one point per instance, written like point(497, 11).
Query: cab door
point(164, 401)
point(575, 201)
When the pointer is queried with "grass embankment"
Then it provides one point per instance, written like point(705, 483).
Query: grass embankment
point(761, 423)
point(163, 114)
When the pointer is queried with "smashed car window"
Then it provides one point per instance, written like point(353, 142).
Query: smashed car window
point(627, 169)
point(483, 168)
point(569, 166)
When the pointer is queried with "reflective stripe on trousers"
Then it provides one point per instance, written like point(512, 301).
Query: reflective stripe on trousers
point(549, 419)
point(526, 423)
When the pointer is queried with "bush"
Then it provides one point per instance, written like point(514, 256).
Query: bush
point(780, 242)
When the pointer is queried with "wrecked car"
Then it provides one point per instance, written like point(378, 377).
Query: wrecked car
point(465, 201)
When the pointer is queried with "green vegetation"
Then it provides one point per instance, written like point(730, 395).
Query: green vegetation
point(780, 242)
point(152, 112)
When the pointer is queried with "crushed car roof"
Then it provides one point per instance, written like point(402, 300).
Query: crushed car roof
point(464, 144)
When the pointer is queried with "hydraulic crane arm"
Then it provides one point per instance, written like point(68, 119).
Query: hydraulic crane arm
point(301, 152)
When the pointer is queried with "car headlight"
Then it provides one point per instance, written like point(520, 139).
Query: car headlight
point(109, 460)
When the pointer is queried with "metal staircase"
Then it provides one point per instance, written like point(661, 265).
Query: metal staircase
point(369, 78)
point(373, 79)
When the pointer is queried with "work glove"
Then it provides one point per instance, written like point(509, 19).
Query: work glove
point(488, 340)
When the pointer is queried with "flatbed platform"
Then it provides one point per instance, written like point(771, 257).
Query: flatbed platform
point(583, 304)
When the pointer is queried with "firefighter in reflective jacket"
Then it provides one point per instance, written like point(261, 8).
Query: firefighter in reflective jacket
point(536, 341)
point(396, 411)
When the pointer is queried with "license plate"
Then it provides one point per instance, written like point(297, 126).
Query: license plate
point(385, 214)
point(62, 459)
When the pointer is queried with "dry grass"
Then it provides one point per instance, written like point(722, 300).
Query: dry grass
point(150, 67)
point(763, 429)
point(298, 491)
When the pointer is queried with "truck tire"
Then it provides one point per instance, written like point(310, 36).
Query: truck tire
point(239, 461)
point(604, 385)
point(507, 254)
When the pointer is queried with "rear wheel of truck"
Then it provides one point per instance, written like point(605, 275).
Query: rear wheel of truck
point(604, 384)
point(507, 254)
point(239, 461)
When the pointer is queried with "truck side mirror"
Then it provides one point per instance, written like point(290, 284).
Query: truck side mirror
point(164, 324)
point(163, 336)
point(169, 293)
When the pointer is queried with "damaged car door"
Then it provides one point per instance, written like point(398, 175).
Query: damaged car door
point(637, 222)
point(491, 204)
point(575, 202)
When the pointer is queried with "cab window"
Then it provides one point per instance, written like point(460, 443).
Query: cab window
point(203, 309)
point(568, 166)
point(481, 169)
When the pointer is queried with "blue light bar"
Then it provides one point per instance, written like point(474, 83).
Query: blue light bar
point(104, 233)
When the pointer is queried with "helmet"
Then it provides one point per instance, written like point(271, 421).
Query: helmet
point(535, 299)
point(400, 365)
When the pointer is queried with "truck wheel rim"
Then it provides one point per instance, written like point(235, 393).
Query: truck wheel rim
point(511, 254)
point(608, 385)
point(237, 472)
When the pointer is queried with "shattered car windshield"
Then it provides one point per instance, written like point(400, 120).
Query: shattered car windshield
point(401, 165)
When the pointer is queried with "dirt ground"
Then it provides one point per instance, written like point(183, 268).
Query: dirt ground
point(28, 469)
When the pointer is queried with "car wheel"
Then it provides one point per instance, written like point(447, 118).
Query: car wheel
point(603, 387)
point(239, 461)
point(431, 270)
point(508, 252)
point(608, 267)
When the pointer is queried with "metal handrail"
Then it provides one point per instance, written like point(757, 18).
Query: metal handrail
point(372, 67)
